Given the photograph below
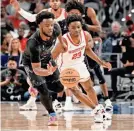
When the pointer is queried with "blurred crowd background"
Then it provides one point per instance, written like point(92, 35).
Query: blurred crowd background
point(116, 18)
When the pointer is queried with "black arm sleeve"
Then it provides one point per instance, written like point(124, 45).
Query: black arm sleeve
point(57, 30)
point(34, 51)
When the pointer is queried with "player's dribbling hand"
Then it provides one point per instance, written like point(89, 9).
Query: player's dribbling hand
point(107, 65)
point(51, 69)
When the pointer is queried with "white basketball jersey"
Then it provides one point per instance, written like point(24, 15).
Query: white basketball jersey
point(75, 53)
point(62, 15)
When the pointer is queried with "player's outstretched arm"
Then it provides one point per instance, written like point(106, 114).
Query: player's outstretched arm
point(41, 71)
point(28, 16)
point(92, 55)
point(60, 47)
point(96, 27)
point(63, 43)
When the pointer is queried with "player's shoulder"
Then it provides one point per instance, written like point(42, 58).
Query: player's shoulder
point(34, 35)
point(33, 40)
point(44, 10)
point(65, 35)
point(64, 11)
point(91, 12)
point(86, 33)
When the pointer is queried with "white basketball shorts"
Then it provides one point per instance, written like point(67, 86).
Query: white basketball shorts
point(81, 68)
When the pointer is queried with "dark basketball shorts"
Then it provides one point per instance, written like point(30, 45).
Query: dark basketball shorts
point(52, 81)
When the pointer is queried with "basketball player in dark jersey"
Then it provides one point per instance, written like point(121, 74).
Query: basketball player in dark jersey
point(94, 27)
point(39, 65)
point(59, 14)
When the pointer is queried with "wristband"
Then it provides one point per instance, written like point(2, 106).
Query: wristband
point(21, 11)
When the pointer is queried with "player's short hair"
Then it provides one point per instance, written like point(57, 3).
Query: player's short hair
point(74, 5)
point(73, 18)
point(43, 15)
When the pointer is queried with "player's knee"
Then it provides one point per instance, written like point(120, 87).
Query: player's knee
point(88, 89)
point(60, 87)
point(88, 86)
point(42, 89)
point(56, 87)
point(75, 91)
point(101, 78)
point(102, 81)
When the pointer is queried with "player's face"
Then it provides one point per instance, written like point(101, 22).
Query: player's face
point(55, 4)
point(75, 28)
point(74, 12)
point(46, 27)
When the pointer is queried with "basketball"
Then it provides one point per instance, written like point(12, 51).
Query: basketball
point(69, 77)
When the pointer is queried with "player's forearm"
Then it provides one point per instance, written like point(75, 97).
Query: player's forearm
point(92, 55)
point(41, 71)
point(60, 47)
point(94, 28)
point(63, 45)
point(55, 54)
point(28, 16)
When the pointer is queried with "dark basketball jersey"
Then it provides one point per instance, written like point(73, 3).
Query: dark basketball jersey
point(38, 50)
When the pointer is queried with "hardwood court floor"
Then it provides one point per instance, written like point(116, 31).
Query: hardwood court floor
point(80, 119)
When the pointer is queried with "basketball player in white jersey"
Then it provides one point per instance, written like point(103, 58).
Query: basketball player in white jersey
point(58, 12)
point(93, 25)
point(78, 43)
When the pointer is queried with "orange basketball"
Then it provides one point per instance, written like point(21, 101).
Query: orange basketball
point(69, 77)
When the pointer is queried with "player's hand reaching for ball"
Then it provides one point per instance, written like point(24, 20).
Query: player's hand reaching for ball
point(106, 65)
point(51, 69)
